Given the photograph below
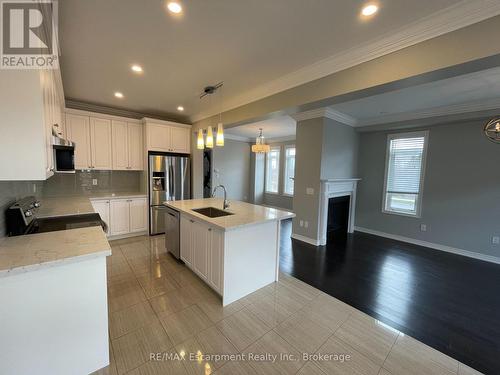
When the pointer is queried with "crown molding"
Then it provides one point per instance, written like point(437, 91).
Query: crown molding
point(460, 15)
point(113, 111)
point(449, 110)
point(234, 137)
point(328, 113)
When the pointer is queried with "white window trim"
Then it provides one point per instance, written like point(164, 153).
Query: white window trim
point(425, 134)
point(284, 170)
point(279, 172)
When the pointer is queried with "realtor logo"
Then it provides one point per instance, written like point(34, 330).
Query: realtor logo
point(29, 34)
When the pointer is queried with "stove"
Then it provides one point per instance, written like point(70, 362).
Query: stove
point(21, 219)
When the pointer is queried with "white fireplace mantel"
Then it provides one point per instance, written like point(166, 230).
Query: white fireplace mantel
point(331, 188)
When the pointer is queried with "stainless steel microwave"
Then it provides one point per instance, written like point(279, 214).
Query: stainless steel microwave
point(64, 155)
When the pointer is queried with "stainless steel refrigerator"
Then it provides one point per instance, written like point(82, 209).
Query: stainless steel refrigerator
point(169, 179)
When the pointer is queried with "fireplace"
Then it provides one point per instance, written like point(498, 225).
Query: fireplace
point(337, 207)
point(337, 224)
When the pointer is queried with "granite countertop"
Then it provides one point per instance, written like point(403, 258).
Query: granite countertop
point(120, 194)
point(27, 253)
point(245, 214)
point(32, 251)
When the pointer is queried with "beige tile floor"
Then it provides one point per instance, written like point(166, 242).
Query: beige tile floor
point(157, 305)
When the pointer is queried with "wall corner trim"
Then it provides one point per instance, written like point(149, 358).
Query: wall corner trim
point(431, 245)
point(305, 239)
point(328, 113)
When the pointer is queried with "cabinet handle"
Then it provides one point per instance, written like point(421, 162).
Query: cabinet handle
point(209, 229)
point(192, 221)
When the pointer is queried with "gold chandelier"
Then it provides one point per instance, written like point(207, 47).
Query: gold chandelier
point(260, 146)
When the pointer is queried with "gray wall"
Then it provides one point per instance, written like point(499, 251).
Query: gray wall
point(308, 144)
point(461, 195)
point(257, 176)
point(231, 165)
point(340, 150)
point(325, 149)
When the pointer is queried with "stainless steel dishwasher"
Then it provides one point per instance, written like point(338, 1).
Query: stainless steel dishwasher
point(172, 232)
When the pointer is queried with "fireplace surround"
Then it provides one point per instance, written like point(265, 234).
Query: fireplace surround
point(336, 188)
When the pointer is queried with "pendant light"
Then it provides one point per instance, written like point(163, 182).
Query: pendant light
point(209, 140)
point(219, 140)
point(260, 146)
point(209, 143)
point(200, 144)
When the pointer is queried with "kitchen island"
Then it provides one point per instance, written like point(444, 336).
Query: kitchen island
point(53, 288)
point(234, 254)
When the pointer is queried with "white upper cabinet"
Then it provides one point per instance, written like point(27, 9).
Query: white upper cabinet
point(135, 147)
point(92, 137)
point(100, 143)
point(78, 131)
point(128, 146)
point(168, 136)
point(30, 104)
point(120, 145)
point(180, 140)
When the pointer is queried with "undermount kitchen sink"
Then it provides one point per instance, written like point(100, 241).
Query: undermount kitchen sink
point(211, 212)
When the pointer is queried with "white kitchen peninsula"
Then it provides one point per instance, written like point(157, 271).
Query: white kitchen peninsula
point(235, 254)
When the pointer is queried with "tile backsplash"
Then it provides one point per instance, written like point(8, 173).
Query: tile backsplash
point(59, 185)
point(81, 183)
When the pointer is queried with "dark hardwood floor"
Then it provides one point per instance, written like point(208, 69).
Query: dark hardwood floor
point(449, 302)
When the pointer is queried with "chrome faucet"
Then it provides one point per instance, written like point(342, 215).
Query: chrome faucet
point(226, 202)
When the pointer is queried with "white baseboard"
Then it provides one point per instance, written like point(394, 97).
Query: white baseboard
point(121, 236)
point(448, 249)
point(305, 239)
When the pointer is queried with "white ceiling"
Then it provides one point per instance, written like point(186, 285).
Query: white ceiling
point(246, 44)
point(466, 93)
point(275, 128)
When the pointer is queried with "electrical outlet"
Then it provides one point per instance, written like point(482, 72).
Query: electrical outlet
point(423, 227)
point(495, 240)
point(94, 181)
point(306, 224)
point(34, 188)
point(301, 223)
point(309, 191)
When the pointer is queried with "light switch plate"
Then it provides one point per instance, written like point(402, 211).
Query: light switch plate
point(423, 227)
point(309, 191)
point(495, 240)
point(94, 181)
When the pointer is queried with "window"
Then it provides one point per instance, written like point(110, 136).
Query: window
point(273, 170)
point(289, 170)
point(404, 174)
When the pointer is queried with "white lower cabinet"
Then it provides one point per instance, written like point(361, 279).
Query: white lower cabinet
point(202, 250)
point(120, 217)
point(123, 216)
point(186, 241)
point(102, 208)
point(138, 215)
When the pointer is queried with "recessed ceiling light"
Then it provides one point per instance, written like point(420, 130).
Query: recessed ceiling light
point(136, 68)
point(369, 10)
point(180, 108)
point(119, 95)
point(174, 7)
